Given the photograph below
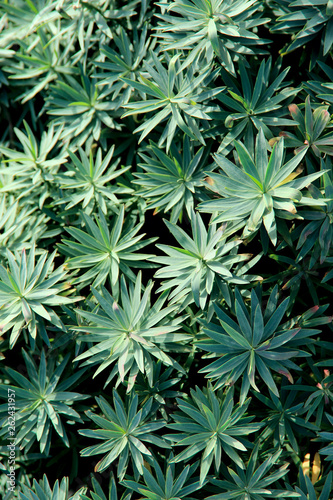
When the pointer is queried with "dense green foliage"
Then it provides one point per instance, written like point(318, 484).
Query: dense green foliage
point(166, 249)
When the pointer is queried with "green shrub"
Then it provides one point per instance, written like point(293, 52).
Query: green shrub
point(199, 367)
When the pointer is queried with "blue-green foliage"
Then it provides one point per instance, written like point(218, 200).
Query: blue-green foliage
point(200, 367)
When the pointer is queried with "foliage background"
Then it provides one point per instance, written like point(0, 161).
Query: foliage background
point(166, 248)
